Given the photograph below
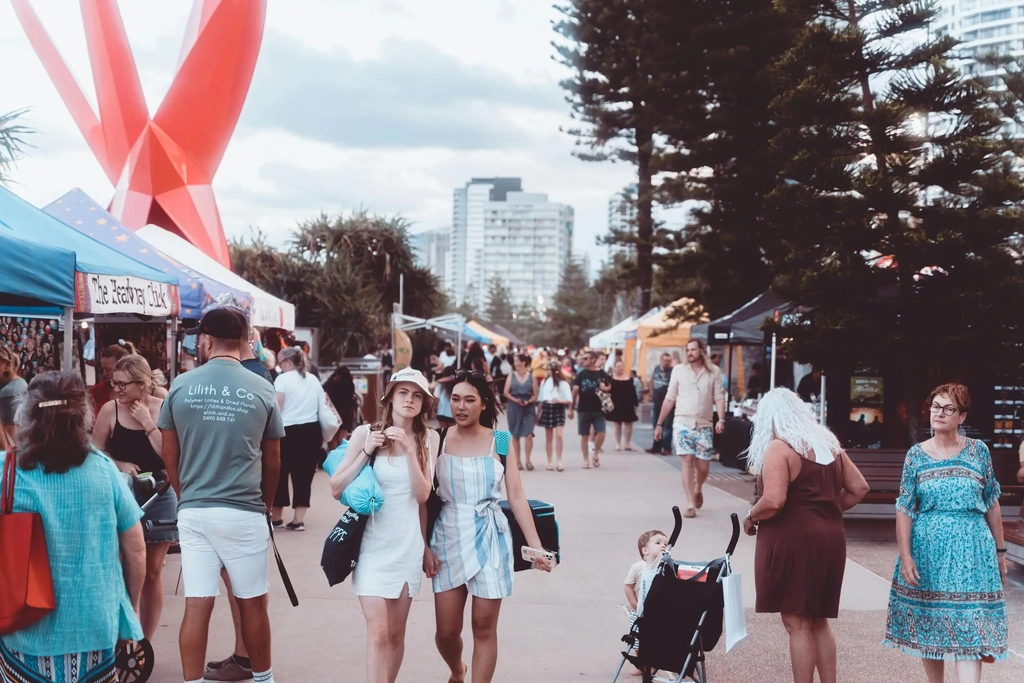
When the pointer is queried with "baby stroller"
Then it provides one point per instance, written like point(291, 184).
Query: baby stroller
point(134, 659)
point(683, 614)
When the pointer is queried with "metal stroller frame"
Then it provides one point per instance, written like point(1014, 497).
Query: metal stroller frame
point(134, 659)
point(682, 618)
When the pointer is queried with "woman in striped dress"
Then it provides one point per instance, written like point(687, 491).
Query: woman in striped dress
point(470, 550)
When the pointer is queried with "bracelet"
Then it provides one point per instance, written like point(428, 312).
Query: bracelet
point(659, 425)
point(367, 454)
point(152, 430)
point(1000, 550)
point(749, 517)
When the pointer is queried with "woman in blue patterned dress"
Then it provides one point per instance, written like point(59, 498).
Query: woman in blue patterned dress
point(470, 550)
point(947, 593)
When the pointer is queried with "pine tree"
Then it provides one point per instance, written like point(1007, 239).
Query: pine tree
point(576, 310)
point(499, 302)
point(615, 54)
point(898, 204)
point(723, 153)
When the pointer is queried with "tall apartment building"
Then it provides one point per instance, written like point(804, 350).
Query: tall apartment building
point(500, 231)
point(431, 251)
point(984, 27)
point(622, 218)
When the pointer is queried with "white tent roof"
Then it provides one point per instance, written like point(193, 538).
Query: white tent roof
point(267, 309)
point(613, 337)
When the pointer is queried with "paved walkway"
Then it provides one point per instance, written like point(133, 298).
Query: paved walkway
point(564, 626)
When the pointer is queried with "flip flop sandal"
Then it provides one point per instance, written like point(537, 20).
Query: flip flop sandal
point(690, 513)
point(551, 468)
point(586, 465)
point(529, 466)
point(597, 460)
point(560, 467)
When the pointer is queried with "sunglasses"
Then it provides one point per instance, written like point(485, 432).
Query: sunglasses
point(463, 375)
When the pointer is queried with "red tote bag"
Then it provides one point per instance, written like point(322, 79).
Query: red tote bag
point(26, 587)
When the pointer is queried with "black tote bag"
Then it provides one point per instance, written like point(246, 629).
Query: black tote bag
point(341, 549)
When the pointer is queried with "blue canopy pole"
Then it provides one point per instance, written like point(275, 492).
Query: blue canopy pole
point(69, 327)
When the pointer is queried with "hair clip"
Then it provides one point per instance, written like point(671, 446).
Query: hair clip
point(50, 404)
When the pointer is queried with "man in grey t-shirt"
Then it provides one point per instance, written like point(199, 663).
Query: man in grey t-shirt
point(221, 429)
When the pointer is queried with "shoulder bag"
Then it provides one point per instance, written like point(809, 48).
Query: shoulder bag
point(26, 586)
point(341, 549)
point(328, 417)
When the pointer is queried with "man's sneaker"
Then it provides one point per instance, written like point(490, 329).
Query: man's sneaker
point(295, 526)
point(227, 670)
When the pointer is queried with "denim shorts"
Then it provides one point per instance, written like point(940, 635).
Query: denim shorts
point(584, 420)
point(160, 523)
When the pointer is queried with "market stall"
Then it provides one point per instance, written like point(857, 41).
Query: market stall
point(614, 337)
point(492, 337)
point(266, 311)
point(106, 281)
point(660, 332)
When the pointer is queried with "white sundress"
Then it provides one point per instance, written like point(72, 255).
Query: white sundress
point(472, 539)
point(391, 554)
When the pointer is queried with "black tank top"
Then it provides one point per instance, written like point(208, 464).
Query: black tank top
point(132, 445)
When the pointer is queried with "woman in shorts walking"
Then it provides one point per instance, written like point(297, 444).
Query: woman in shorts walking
point(555, 397)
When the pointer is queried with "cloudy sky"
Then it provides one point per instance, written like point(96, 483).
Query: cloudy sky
point(386, 105)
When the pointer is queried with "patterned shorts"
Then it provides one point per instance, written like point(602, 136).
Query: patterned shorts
point(697, 441)
point(87, 667)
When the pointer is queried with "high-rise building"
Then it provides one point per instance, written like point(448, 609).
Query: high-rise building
point(622, 219)
point(984, 27)
point(499, 231)
point(431, 251)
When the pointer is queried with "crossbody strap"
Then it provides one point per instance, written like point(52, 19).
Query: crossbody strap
point(10, 471)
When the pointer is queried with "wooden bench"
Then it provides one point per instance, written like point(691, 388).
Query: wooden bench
point(883, 469)
point(1013, 536)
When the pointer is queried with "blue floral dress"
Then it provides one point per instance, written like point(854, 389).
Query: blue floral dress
point(958, 610)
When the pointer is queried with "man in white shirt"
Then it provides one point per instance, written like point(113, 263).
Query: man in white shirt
point(694, 389)
point(448, 356)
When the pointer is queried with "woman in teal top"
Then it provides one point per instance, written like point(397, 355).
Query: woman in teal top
point(93, 537)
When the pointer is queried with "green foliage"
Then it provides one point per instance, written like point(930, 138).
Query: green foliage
point(12, 141)
point(894, 222)
point(499, 302)
point(576, 312)
point(612, 48)
point(343, 277)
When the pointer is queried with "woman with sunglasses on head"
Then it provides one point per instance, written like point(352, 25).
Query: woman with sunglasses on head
point(126, 430)
point(947, 590)
point(390, 567)
point(470, 550)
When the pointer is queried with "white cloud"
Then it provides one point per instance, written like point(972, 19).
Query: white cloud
point(480, 98)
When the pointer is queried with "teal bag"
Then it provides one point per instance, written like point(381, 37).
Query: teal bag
point(364, 494)
point(335, 457)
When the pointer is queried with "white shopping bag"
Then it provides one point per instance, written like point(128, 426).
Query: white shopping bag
point(735, 619)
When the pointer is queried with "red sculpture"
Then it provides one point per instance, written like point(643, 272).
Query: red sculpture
point(162, 166)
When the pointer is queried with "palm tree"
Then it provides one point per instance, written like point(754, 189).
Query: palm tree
point(12, 141)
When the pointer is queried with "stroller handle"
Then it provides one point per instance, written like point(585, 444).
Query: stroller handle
point(735, 533)
point(677, 528)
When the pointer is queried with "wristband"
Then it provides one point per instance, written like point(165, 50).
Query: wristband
point(151, 431)
point(1000, 550)
point(659, 425)
point(366, 454)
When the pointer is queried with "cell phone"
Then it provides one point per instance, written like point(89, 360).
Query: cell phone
point(532, 554)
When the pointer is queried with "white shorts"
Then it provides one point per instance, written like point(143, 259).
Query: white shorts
point(237, 540)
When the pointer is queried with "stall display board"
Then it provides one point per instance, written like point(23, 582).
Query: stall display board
point(1008, 427)
point(37, 341)
point(150, 340)
point(867, 414)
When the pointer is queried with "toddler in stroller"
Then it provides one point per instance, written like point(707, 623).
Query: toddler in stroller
point(681, 615)
point(652, 545)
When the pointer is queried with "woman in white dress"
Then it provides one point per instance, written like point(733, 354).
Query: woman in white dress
point(390, 568)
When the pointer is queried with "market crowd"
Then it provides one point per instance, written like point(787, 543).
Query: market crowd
point(239, 437)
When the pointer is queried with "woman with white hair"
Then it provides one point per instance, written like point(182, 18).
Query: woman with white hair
point(805, 482)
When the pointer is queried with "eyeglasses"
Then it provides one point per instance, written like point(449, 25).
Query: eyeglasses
point(945, 410)
point(121, 386)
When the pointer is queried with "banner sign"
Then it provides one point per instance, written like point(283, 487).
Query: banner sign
point(124, 294)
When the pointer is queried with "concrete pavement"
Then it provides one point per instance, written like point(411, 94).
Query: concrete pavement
point(557, 627)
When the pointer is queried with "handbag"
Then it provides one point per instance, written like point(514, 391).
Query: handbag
point(607, 405)
point(329, 419)
point(364, 494)
point(341, 548)
point(26, 586)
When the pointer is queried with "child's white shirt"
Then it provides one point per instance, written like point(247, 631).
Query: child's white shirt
point(640, 576)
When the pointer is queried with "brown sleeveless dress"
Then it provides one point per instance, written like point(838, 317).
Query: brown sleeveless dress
point(801, 552)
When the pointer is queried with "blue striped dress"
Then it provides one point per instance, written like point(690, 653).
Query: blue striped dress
point(471, 539)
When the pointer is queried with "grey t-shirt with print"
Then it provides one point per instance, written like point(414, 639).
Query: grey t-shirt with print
point(221, 412)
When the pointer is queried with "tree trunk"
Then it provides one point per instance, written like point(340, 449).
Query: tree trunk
point(644, 217)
